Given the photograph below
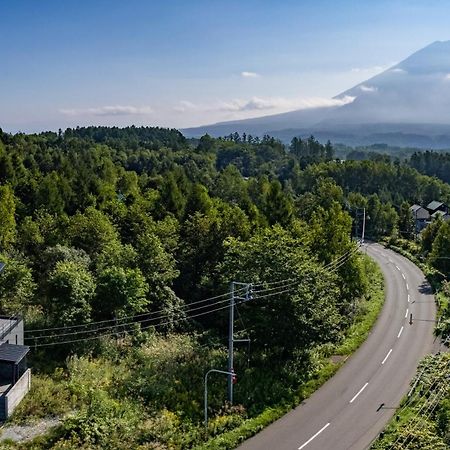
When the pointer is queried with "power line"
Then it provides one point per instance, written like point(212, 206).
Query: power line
point(337, 263)
point(69, 327)
point(140, 329)
point(163, 316)
point(342, 258)
point(114, 326)
point(416, 418)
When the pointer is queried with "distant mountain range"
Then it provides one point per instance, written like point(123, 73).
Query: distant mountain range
point(406, 105)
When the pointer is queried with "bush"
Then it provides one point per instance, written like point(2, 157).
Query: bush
point(47, 397)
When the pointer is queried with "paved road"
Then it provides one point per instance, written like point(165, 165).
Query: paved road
point(345, 412)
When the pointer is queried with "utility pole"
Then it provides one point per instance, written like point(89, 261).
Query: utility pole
point(247, 288)
point(205, 398)
point(364, 225)
point(231, 345)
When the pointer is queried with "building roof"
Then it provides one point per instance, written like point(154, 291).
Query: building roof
point(420, 213)
point(7, 324)
point(11, 353)
point(438, 213)
point(434, 205)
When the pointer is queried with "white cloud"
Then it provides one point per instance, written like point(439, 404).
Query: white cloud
point(365, 88)
point(185, 105)
point(368, 69)
point(250, 74)
point(116, 110)
point(374, 70)
point(273, 104)
point(398, 70)
point(447, 77)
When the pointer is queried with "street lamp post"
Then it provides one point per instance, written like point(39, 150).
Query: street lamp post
point(225, 372)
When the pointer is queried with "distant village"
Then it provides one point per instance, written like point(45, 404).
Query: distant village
point(424, 215)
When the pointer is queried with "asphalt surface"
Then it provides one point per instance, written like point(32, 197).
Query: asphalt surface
point(347, 412)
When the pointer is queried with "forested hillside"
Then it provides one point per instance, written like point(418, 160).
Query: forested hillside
point(120, 246)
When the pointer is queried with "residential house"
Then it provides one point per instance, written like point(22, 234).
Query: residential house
point(435, 206)
point(421, 217)
point(15, 377)
point(441, 214)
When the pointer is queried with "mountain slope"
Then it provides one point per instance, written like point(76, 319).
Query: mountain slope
point(408, 104)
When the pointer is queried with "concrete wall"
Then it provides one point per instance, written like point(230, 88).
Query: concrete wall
point(13, 397)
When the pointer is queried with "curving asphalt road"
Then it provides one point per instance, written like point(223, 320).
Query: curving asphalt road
point(346, 412)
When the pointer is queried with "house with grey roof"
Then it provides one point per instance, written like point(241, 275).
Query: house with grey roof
point(15, 377)
point(421, 217)
point(441, 214)
point(437, 206)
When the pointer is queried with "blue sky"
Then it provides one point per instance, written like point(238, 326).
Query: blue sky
point(185, 63)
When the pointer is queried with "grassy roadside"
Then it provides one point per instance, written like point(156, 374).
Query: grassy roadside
point(356, 335)
point(423, 419)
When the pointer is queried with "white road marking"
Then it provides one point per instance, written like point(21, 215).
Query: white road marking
point(403, 275)
point(317, 434)
point(390, 260)
point(359, 392)
point(400, 332)
point(409, 298)
point(407, 287)
point(406, 313)
point(397, 267)
point(387, 356)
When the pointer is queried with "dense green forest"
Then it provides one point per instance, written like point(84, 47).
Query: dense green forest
point(120, 246)
point(429, 162)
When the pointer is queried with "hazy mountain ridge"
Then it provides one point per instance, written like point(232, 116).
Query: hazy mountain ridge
point(406, 105)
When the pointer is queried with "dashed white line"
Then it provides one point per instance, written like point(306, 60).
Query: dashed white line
point(313, 437)
point(407, 287)
point(400, 333)
point(397, 267)
point(409, 298)
point(406, 313)
point(387, 356)
point(359, 392)
point(403, 275)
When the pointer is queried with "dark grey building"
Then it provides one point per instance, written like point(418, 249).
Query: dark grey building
point(15, 377)
point(437, 206)
point(421, 217)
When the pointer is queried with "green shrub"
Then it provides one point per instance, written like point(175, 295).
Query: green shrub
point(47, 397)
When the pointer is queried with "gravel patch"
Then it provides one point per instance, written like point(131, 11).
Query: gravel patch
point(23, 433)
